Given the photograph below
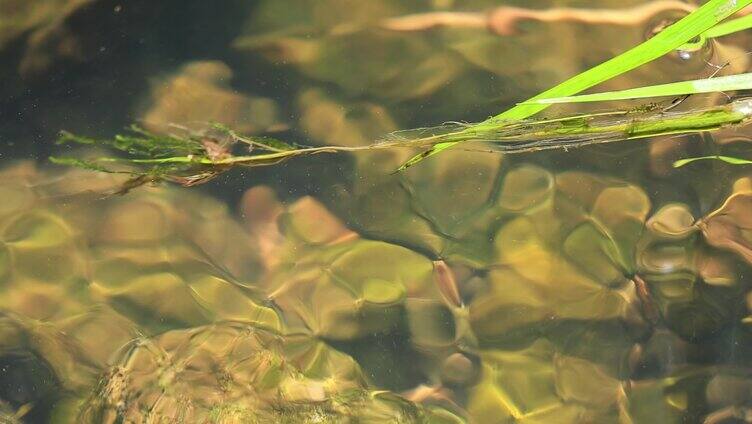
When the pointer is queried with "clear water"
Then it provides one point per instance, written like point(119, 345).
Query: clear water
point(596, 285)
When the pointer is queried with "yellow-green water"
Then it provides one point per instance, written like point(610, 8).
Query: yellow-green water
point(592, 286)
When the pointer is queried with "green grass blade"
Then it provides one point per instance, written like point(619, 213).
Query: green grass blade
point(705, 85)
point(701, 20)
point(728, 159)
point(730, 27)
point(720, 30)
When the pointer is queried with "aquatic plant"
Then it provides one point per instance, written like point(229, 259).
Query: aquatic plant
point(691, 26)
point(190, 158)
point(195, 158)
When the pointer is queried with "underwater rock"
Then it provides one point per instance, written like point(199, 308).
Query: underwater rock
point(694, 286)
point(692, 393)
point(197, 293)
point(345, 48)
point(34, 287)
point(310, 222)
point(39, 366)
point(532, 286)
point(664, 353)
point(271, 16)
point(259, 211)
point(542, 330)
point(459, 369)
point(148, 249)
point(729, 226)
point(672, 221)
point(230, 372)
point(550, 382)
point(43, 24)
point(58, 255)
point(361, 50)
point(667, 399)
point(99, 331)
point(42, 256)
point(184, 218)
point(690, 306)
point(200, 94)
point(404, 206)
point(330, 122)
point(351, 289)
point(468, 185)
point(537, 385)
point(152, 245)
point(564, 252)
point(575, 247)
point(728, 389)
point(455, 223)
point(336, 285)
point(524, 188)
point(329, 282)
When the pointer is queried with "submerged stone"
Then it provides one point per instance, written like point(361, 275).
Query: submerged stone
point(532, 386)
point(730, 226)
point(230, 372)
point(567, 254)
point(199, 94)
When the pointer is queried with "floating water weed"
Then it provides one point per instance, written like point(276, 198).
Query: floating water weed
point(668, 40)
point(682, 88)
point(196, 158)
point(193, 158)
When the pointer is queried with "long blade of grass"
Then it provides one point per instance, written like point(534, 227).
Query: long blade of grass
point(705, 85)
point(730, 27)
point(701, 20)
point(720, 30)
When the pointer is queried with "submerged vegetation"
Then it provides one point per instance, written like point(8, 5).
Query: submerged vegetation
point(191, 158)
point(194, 158)
point(666, 41)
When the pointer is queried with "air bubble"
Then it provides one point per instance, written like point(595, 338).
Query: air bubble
point(692, 60)
point(684, 55)
point(743, 106)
